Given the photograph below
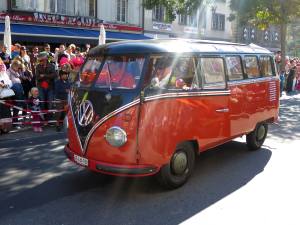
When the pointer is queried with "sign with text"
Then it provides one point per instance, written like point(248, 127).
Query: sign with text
point(162, 26)
point(71, 21)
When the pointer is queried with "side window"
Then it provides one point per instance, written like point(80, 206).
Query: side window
point(251, 67)
point(212, 73)
point(183, 74)
point(266, 66)
point(234, 67)
point(173, 73)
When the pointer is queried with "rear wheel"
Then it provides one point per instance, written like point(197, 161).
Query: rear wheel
point(180, 167)
point(256, 138)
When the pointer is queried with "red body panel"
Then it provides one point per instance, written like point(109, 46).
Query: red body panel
point(209, 119)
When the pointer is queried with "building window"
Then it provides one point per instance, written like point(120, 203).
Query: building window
point(158, 14)
point(52, 7)
point(92, 8)
point(122, 6)
point(218, 21)
point(188, 20)
point(61, 7)
point(85, 8)
point(64, 7)
point(182, 19)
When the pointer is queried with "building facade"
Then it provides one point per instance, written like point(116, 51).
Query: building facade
point(72, 21)
point(269, 38)
point(208, 22)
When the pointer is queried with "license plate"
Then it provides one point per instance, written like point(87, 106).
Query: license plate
point(80, 160)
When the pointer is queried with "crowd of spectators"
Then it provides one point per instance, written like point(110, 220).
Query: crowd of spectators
point(290, 75)
point(39, 78)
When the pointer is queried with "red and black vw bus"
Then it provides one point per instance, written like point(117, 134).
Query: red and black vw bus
point(149, 107)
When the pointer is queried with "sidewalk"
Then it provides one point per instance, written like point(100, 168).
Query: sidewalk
point(27, 132)
point(295, 94)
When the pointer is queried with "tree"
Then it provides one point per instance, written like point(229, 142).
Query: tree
point(293, 38)
point(174, 7)
point(263, 13)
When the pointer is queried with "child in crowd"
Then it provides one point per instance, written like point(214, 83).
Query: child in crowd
point(34, 104)
point(62, 87)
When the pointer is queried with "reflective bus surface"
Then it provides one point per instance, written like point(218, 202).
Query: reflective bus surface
point(150, 107)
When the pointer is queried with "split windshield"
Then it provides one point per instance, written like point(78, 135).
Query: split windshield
point(122, 72)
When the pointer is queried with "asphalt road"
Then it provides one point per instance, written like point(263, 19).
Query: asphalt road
point(230, 185)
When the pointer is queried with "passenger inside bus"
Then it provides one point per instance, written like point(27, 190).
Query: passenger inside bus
point(162, 73)
point(168, 74)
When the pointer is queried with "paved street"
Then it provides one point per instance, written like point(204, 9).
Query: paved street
point(230, 185)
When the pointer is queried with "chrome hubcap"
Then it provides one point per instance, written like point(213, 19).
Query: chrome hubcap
point(261, 132)
point(179, 163)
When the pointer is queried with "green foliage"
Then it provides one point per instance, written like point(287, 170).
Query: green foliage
point(293, 38)
point(263, 13)
point(174, 7)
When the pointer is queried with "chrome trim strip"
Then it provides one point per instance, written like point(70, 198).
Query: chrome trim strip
point(188, 94)
point(252, 81)
point(108, 116)
point(222, 110)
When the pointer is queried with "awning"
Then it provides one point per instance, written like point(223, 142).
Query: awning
point(34, 33)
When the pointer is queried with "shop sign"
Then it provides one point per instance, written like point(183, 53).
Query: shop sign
point(72, 21)
point(162, 26)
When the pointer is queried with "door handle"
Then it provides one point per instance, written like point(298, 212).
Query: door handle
point(222, 110)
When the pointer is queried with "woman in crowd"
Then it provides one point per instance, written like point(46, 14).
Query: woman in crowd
point(15, 76)
point(5, 114)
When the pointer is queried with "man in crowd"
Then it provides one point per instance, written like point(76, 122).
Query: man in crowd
point(16, 51)
point(45, 76)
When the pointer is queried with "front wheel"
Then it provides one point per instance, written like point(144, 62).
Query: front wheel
point(256, 138)
point(178, 170)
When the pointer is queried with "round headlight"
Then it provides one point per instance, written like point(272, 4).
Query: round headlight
point(116, 136)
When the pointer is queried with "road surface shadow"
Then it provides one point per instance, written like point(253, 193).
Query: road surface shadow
point(98, 198)
point(289, 123)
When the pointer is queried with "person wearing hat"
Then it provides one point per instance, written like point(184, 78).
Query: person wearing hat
point(5, 56)
point(45, 77)
point(16, 51)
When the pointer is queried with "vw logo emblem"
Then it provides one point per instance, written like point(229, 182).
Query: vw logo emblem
point(85, 113)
